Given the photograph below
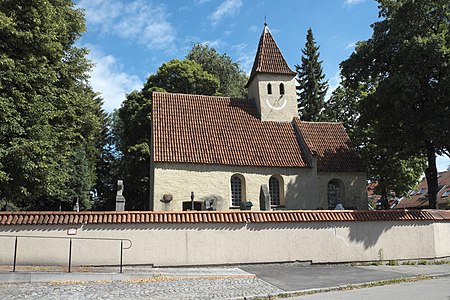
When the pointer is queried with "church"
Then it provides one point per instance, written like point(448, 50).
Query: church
point(218, 153)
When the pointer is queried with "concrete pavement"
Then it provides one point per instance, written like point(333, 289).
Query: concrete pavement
point(237, 282)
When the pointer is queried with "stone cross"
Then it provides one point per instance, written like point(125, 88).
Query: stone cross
point(120, 199)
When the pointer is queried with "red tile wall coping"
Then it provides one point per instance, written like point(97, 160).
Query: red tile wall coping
point(148, 217)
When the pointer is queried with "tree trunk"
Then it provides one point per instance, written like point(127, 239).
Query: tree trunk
point(431, 175)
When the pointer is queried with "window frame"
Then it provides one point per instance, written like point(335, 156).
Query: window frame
point(275, 191)
point(282, 91)
point(237, 194)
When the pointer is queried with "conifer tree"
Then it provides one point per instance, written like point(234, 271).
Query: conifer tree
point(311, 87)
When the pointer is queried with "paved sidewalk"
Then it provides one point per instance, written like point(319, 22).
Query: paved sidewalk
point(248, 281)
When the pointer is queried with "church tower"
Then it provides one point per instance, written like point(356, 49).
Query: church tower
point(272, 83)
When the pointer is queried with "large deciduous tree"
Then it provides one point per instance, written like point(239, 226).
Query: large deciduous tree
point(231, 77)
point(312, 87)
point(383, 164)
point(48, 113)
point(407, 64)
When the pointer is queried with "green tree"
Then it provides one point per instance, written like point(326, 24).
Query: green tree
point(343, 106)
point(312, 88)
point(406, 62)
point(231, 77)
point(47, 109)
point(107, 165)
point(133, 125)
point(183, 76)
point(383, 164)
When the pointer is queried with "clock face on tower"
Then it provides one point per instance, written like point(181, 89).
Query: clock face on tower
point(277, 104)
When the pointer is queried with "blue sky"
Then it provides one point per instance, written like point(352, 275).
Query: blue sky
point(130, 39)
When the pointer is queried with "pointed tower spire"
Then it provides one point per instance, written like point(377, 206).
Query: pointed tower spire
point(268, 57)
point(272, 83)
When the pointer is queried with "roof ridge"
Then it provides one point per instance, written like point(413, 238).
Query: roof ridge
point(319, 122)
point(197, 95)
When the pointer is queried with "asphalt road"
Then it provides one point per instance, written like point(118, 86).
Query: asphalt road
point(295, 277)
point(433, 289)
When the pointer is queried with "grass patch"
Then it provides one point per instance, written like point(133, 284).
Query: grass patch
point(442, 262)
point(392, 263)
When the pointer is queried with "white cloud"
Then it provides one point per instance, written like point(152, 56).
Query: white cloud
point(214, 44)
point(244, 57)
point(254, 28)
point(442, 162)
point(108, 79)
point(201, 2)
point(137, 20)
point(351, 46)
point(352, 2)
point(227, 8)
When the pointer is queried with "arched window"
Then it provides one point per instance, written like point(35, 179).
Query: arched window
point(274, 191)
point(269, 89)
point(281, 89)
point(334, 193)
point(236, 190)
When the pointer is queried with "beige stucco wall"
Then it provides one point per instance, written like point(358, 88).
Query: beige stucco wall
point(284, 107)
point(303, 187)
point(231, 243)
point(442, 236)
point(353, 188)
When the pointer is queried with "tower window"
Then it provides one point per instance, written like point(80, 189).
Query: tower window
point(281, 89)
point(269, 89)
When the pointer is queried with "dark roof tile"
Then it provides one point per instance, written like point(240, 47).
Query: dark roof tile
point(220, 130)
point(269, 58)
point(331, 144)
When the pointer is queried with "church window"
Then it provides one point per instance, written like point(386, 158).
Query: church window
point(281, 89)
point(236, 190)
point(274, 191)
point(334, 194)
point(269, 89)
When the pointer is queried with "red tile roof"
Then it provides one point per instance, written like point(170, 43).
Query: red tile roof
point(220, 130)
point(331, 144)
point(419, 198)
point(149, 217)
point(269, 58)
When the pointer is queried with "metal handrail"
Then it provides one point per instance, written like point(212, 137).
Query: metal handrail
point(70, 246)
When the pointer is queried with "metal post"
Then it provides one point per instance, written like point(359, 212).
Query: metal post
point(70, 254)
point(121, 255)
point(192, 201)
point(15, 255)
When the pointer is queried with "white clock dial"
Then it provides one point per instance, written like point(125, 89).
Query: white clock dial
point(279, 104)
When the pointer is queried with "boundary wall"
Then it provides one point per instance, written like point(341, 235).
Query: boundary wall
point(226, 237)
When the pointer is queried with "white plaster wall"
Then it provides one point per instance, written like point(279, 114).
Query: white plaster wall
point(442, 236)
point(299, 184)
point(221, 243)
point(303, 187)
point(257, 92)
